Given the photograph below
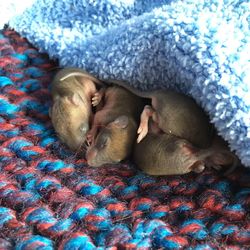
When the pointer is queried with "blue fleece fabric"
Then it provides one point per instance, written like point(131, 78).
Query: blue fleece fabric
point(200, 48)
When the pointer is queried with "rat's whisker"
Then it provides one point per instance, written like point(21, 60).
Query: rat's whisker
point(82, 146)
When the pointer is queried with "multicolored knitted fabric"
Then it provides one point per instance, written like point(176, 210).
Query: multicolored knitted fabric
point(51, 199)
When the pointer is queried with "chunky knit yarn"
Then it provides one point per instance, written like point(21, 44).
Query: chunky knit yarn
point(51, 199)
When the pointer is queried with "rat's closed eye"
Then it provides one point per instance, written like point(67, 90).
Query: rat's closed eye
point(103, 144)
point(102, 141)
point(84, 128)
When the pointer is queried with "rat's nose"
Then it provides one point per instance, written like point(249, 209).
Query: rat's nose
point(90, 156)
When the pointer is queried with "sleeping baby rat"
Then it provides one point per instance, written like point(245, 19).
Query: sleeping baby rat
point(166, 154)
point(73, 90)
point(175, 113)
point(114, 127)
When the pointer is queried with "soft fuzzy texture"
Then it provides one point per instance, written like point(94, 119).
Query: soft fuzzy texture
point(200, 48)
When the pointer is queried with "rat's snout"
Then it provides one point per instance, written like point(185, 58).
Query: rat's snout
point(91, 156)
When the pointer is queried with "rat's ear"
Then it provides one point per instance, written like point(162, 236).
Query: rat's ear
point(121, 121)
point(81, 76)
point(74, 74)
point(75, 99)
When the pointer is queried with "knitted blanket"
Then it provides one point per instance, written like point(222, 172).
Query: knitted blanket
point(49, 199)
point(198, 47)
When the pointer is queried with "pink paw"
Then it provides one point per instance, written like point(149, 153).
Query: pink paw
point(142, 131)
point(89, 138)
point(96, 99)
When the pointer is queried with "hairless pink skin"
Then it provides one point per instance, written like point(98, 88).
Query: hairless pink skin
point(143, 127)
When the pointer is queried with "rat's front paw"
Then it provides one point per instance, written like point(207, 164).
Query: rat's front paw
point(96, 99)
point(89, 137)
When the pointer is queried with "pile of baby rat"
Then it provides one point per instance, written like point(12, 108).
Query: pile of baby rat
point(165, 132)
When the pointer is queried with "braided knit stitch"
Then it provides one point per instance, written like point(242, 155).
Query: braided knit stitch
point(49, 199)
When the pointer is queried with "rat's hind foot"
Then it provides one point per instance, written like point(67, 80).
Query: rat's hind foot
point(142, 133)
point(143, 127)
point(198, 167)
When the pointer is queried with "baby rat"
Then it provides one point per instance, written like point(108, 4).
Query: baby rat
point(175, 113)
point(114, 127)
point(73, 90)
point(166, 154)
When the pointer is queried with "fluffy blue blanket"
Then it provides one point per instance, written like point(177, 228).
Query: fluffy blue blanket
point(200, 48)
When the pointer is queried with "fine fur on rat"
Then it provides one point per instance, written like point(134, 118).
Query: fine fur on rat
point(180, 138)
point(175, 113)
point(114, 127)
point(166, 154)
point(72, 91)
